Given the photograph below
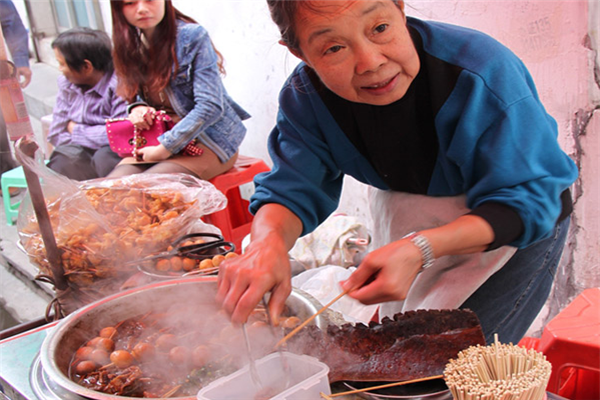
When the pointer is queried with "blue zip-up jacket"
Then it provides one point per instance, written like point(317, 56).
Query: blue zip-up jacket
point(496, 141)
point(197, 95)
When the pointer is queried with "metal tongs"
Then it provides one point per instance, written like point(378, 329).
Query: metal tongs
point(252, 364)
point(284, 363)
point(198, 251)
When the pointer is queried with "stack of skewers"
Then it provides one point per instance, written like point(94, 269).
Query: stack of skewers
point(498, 372)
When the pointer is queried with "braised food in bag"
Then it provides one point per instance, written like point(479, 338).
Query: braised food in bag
point(101, 225)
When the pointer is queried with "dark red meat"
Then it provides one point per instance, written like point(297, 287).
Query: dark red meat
point(412, 345)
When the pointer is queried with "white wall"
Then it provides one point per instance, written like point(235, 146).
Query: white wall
point(552, 37)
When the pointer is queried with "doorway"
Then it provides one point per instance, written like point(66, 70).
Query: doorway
point(48, 18)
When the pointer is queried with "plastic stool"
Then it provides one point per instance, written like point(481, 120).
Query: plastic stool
point(15, 178)
point(571, 342)
point(235, 220)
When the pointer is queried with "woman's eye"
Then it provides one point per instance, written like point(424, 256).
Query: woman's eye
point(333, 49)
point(381, 28)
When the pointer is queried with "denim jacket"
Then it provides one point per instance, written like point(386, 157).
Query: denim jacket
point(198, 96)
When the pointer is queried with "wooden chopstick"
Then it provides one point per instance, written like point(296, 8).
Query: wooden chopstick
point(429, 378)
point(308, 320)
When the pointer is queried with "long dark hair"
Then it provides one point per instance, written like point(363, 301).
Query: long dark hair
point(137, 65)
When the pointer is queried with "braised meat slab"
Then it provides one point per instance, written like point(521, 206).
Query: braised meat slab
point(412, 345)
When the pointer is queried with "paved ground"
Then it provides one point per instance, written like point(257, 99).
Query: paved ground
point(20, 296)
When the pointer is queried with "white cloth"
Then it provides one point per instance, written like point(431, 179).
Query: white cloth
point(451, 279)
point(324, 285)
point(331, 243)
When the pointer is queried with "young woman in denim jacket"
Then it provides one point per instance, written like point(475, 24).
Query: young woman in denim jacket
point(166, 61)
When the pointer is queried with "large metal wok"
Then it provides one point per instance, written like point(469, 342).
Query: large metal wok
point(76, 329)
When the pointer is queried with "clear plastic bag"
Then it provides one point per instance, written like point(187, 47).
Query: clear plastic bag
point(340, 240)
point(99, 225)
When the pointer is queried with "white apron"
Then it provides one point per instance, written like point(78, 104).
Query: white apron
point(451, 279)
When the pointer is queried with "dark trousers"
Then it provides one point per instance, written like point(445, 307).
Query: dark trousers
point(510, 300)
point(81, 163)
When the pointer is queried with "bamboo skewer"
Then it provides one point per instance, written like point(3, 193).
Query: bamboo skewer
point(498, 371)
point(312, 317)
point(387, 385)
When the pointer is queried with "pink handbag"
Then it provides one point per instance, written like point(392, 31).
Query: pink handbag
point(124, 139)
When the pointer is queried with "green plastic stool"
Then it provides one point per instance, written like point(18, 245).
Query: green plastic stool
point(15, 178)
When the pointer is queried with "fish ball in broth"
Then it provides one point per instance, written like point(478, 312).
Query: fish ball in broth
point(100, 356)
point(200, 356)
point(85, 367)
point(143, 351)
point(121, 358)
point(166, 342)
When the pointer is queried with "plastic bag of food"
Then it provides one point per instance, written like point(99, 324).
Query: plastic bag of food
point(100, 225)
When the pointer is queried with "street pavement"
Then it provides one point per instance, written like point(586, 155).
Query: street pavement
point(20, 295)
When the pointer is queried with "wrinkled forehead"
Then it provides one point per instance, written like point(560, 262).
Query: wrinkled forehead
point(330, 9)
point(308, 9)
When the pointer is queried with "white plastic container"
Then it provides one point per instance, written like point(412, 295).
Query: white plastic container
point(308, 378)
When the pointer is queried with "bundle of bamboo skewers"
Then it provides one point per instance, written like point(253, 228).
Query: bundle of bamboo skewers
point(498, 372)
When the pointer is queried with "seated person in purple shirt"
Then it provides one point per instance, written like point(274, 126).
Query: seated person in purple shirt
point(86, 98)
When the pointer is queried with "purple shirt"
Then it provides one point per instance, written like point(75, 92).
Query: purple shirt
point(88, 109)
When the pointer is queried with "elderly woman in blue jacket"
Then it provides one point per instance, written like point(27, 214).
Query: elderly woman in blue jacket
point(469, 187)
point(166, 61)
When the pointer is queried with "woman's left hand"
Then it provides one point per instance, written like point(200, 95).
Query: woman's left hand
point(153, 153)
point(385, 274)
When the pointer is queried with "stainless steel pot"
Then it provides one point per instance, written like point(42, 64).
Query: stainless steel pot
point(432, 390)
point(80, 326)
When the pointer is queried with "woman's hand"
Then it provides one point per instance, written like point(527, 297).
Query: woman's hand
point(142, 117)
point(264, 266)
point(152, 153)
point(244, 280)
point(385, 274)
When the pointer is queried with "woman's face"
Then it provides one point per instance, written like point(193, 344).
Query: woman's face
point(361, 49)
point(144, 14)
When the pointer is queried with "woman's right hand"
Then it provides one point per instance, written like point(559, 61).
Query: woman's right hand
point(243, 281)
point(142, 117)
point(264, 266)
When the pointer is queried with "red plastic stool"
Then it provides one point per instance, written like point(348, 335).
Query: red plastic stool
point(235, 220)
point(571, 342)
